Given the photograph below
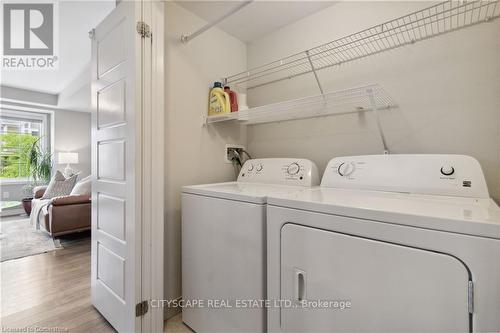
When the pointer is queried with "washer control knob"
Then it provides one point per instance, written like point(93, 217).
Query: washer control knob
point(447, 170)
point(250, 167)
point(259, 167)
point(345, 169)
point(293, 169)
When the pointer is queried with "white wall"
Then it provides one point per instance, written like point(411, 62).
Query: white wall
point(72, 134)
point(75, 96)
point(194, 154)
point(448, 90)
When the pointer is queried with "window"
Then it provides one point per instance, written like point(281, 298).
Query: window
point(18, 131)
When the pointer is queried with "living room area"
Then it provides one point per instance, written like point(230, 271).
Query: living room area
point(45, 168)
point(34, 157)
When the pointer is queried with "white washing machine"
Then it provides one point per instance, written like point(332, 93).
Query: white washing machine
point(390, 243)
point(224, 243)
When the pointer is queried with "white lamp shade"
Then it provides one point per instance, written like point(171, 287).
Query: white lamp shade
point(68, 158)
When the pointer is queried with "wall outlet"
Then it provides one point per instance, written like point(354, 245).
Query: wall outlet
point(6, 195)
point(229, 146)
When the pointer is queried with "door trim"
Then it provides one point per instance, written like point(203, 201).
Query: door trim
point(153, 180)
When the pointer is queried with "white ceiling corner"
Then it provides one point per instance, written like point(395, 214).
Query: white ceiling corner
point(256, 19)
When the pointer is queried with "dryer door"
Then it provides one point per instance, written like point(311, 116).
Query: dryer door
point(391, 288)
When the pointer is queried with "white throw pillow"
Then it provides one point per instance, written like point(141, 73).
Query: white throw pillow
point(59, 186)
point(83, 187)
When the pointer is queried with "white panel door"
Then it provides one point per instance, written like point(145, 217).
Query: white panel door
point(391, 288)
point(116, 167)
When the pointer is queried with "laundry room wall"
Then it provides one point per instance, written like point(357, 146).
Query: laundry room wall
point(446, 88)
point(194, 153)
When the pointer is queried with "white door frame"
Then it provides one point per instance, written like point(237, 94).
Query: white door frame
point(153, 179)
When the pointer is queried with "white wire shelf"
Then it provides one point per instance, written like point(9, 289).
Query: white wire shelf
point(424, 24)
point(359, 99)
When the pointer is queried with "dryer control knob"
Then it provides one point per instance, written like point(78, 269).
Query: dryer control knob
point(345, 169)
point(447, 170)
point(259, 167)
point(293, 169)
point(250, 167)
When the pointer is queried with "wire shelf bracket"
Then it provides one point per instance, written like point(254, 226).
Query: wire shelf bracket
point(375, 110)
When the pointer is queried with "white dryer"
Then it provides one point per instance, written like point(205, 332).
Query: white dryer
point(389, 243)
point(224, 243)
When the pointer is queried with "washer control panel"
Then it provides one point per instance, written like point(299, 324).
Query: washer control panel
point(452, 175)
point(285, 171)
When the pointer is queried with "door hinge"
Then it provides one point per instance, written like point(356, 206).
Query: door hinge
point(143, 29)
point(470, 297)
point(141, 308)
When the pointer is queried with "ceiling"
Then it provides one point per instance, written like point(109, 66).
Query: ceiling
point(256, 19)
point(76, 19)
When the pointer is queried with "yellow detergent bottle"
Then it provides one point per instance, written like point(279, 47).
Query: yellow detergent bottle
point(218, 101)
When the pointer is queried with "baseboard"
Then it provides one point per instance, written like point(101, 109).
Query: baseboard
point(169, 312)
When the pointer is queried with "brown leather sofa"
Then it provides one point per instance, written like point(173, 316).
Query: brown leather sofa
point(65, 214)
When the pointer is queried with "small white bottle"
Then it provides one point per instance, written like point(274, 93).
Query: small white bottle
point(242, 101)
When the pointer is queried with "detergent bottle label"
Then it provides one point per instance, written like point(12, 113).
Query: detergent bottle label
point(217, 102)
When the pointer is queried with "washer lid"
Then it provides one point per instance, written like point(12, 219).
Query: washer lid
point(472, 216)
point(248, 192)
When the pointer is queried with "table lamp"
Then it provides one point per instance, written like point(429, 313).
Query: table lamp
point(68, 158)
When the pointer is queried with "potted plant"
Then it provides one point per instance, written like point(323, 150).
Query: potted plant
point(40, 171)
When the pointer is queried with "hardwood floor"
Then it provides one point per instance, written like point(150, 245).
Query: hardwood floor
point(51, 291)
point(175, 325)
